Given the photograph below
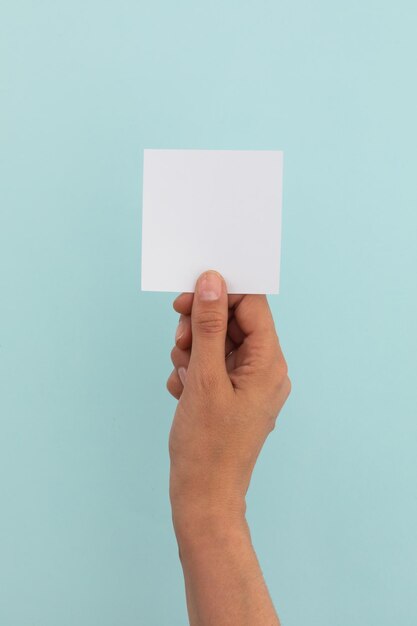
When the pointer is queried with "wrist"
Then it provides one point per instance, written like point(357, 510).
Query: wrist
point(205, 531)
point(204, 521)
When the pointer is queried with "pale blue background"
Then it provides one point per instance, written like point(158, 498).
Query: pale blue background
point(85, 531)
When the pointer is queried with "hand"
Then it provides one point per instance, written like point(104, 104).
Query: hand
point(231, 381)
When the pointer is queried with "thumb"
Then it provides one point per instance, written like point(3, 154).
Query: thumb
point(209, 317)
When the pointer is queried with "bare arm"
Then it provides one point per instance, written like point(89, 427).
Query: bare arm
point(223, 580)
point(231, 381)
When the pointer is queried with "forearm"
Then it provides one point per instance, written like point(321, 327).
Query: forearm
point(230, 380)
point(223, 580)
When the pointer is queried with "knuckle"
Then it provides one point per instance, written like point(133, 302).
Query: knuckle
point(172, 386)
point(208, 381)
point(210, 322)
point(280, 372)
point(174, 355)
point(169, 385)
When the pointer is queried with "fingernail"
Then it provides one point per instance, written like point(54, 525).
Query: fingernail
point(182, 373)
point(180, 329)
point(210, 286)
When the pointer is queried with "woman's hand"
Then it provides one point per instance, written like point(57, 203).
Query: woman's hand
point(231, 380)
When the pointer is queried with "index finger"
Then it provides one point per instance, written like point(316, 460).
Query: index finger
point(254, 315)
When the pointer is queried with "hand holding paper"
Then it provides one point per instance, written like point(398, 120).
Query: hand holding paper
point(218, 210)
point(231, 381)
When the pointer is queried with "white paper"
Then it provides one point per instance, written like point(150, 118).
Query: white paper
point(211, 209)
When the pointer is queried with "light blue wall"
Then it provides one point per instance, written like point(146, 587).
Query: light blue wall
point(85, 531)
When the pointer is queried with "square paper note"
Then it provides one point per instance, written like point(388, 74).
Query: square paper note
point(211, 209)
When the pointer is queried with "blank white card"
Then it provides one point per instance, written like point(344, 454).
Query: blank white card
point(211, 209)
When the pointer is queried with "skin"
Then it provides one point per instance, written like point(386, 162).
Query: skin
point(230, 379)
